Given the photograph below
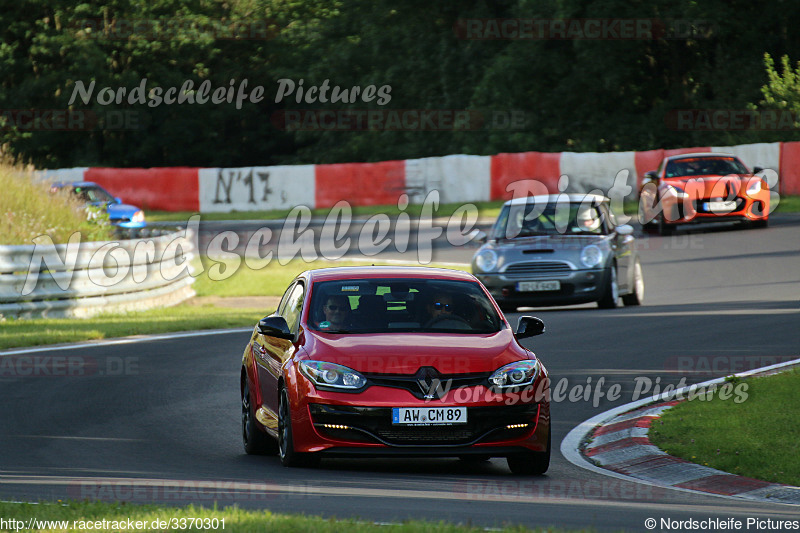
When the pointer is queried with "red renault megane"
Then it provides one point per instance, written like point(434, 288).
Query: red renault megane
point(394, 361)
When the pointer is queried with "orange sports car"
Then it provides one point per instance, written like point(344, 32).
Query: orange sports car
point(704, 187)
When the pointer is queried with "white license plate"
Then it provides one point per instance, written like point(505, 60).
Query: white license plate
point(531, 286)
point(720, 207)
point(429, 416)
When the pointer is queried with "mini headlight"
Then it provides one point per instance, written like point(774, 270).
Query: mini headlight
point(332, 375)
point(138, 216)
point(591, 256)
point(486, 260)
point(515, 374)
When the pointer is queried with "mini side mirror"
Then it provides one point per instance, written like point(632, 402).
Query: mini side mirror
point(479, 236)
point(756, 170)
point(274, 326)
point(117, 199)
point(651, 175)
point(529, 326)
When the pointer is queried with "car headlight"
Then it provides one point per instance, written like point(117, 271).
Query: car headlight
point(754, 186)
point(515, 374)
point(591, 256)
point(676, 190)
point(332, 375)
point(486, 260)
point(138, 216)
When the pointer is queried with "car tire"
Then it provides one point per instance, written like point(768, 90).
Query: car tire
point(610, 298)
point(289, 457)
point(530, 463)
point(636, 297)
point(763, 223)
point(664, 228)
point(648, 227)
point(255, 441)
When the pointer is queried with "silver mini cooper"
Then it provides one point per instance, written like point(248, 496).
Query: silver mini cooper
point(557, 250)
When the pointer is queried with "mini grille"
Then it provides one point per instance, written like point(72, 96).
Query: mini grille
point(537, 267)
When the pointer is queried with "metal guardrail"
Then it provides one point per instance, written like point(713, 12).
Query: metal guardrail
point(88, 278)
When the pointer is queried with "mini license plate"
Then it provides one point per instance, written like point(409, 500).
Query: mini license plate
point(429, 416)
point(720, 207)
point(531, 286)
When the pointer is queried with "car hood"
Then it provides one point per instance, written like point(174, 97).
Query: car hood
point(121, 210)
point(711, 185)
point(405, 353)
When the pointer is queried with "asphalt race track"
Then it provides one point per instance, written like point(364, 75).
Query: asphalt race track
point(159, 420)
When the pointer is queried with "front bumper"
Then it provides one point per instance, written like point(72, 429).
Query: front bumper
point(577, 286)
point(748, 209)
point(342, 424)
point(128, 224)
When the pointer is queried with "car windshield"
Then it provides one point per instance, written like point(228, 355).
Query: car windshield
point(401, 305)
point(92, 195)
point(554, 218)
point(705, 166)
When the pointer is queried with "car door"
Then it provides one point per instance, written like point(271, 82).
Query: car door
point(622, 246)
point(271, 352)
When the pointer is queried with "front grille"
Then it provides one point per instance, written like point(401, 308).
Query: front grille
point(411, 383)
point(548, 268)
point(433, 435)
point(374, 424)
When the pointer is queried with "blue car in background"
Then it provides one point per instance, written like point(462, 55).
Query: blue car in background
point(119, 214)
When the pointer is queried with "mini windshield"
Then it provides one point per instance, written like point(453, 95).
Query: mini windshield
point(93, 195)
point(554, 218)
point(704, 166)
point(401, 305)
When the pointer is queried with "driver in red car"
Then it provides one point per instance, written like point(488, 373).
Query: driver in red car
point(337, 313)
point(439, 306)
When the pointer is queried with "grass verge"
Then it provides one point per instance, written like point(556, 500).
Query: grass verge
point(28, 210)
point(74, 514)
point(757, 438)
point(41, 331)
point(485, 209)
point(271, 280)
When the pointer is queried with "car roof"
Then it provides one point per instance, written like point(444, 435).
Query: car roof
point(571, 197)
point(74, 184)
point(361, 272)
point(700, 154)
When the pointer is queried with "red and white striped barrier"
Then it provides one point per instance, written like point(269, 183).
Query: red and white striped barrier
point(457, 178)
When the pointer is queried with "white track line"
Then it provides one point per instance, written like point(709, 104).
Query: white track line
point(125, 340)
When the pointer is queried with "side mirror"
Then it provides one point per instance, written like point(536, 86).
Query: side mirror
point(274, 326)
point(117, 199)
point(651, 175)
point(529, 326)
point(479, 236)
point(756, 170)
point(624, 229)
